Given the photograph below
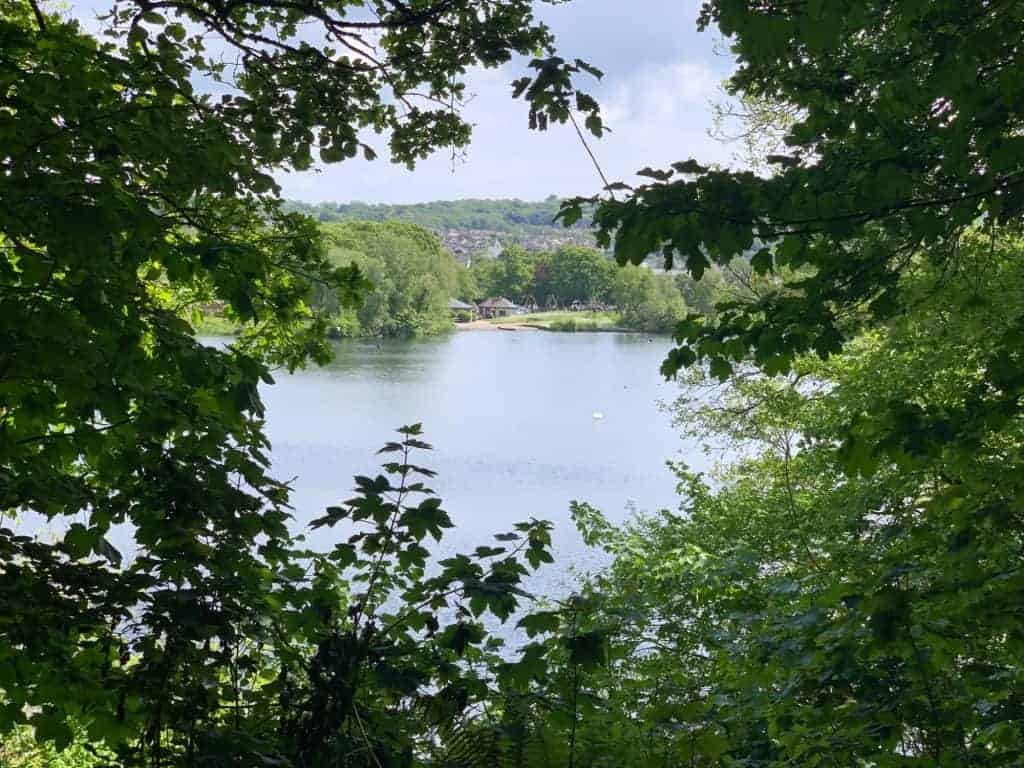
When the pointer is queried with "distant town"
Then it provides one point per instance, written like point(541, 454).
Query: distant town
point(469, 228)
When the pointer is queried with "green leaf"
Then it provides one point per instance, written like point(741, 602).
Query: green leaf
point(458, 637)
point(539, 623)
point(587, 649)
point(52, 727)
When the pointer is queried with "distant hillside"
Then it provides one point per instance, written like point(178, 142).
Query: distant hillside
point(467, 227)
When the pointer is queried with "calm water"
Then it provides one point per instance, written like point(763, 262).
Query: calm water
point(510, 416)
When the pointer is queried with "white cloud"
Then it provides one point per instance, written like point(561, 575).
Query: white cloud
point(661, 94)
point(662, 114)
point(657, 115)
point(661, 76)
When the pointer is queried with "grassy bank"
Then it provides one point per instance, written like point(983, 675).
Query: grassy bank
point(216, 325)
point(565, 321)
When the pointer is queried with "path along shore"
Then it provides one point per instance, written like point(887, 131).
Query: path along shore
point(487, 325)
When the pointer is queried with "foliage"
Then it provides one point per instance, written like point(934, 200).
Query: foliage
point(210, 324)
point(895, 148)
point(847, 591)
point(372, 653)
point(804, 612)
point(137, 180)
point(703, 296)
point(572, 325)
point(758, 124)
point(573, 273)
point(466, 286)
point(482, 281)
point(512, 275)
point(412, 279)
point(569, 274)
point(19, 749)
point(515, 276)
point(849, 594)
point(394, 640)
point(508, 216)
point(649, 302)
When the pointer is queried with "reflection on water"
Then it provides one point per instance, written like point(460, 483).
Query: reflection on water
point(510, 416)
point(511, 419)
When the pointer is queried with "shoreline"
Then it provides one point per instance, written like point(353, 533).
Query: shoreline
point(487, 325)
point(484, 325)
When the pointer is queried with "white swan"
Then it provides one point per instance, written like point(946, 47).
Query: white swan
point(597, 415)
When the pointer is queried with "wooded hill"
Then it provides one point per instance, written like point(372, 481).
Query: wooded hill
point(467, 227)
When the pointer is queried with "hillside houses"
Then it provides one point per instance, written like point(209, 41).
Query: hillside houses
point(466, 244)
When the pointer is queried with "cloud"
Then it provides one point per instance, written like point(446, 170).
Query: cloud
point(661, 76)
point(662, 94)
point(662, 114)
point(658, 115)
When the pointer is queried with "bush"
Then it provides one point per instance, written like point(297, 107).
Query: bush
point(344, 326)
point(571, 325)
point(19, 749)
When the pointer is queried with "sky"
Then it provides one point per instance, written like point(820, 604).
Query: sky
point(661, 78)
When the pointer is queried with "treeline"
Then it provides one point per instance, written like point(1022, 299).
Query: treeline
point(646, 299)
point(509, 216)
point(412, 278)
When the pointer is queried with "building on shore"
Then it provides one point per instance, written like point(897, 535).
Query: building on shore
point(461, 311)
point(498, 307)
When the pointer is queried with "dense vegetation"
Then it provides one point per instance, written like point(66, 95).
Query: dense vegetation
point(847, 592)
point(506, 216)
point(815, 606)
point(127, 190)
point(573, 275)
point(412, 280)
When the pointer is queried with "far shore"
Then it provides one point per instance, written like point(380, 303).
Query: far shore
point(554, 321)
point(551, 320)
point(489, 325)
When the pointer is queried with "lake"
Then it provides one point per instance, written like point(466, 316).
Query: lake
point(511, 418)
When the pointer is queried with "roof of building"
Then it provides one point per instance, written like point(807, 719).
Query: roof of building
point(456, 304)
point(497, 303)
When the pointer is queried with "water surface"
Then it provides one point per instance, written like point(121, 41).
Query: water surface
point(511, 417)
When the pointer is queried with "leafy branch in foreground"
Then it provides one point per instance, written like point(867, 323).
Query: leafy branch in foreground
point(373, 653)
point(813, 601)
point(901, 129)
point(399, 654)
point(137, 170)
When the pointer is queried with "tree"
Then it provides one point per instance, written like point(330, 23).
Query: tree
point(413, 278)
point(802, 614)
point(648, 302)
point(467, 288)
point(517, 270)
point(841, 594)
point(630, 286)
point(487, 277)
point(905, 140)
point(573, 273)
point(894, 150)
point(137, 181)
